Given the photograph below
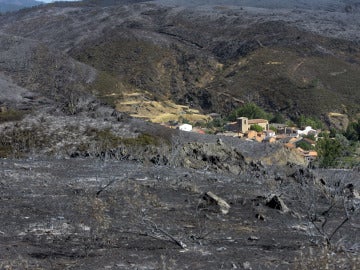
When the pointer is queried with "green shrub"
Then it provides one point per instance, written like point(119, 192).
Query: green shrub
point(309, 136)
point(304, 121)
point(256, 127)
point(305, 145)
point(272, 128)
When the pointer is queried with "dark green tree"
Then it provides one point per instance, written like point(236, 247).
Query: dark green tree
point(278, 118)
point(333, 132)
point(353, 131)
point(303, 121)
point(329, 151)
point(249, 110)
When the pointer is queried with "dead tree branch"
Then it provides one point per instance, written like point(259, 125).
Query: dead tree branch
point(338, 227)
point(157, 229)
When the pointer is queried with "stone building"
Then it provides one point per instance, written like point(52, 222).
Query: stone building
point(244, 124)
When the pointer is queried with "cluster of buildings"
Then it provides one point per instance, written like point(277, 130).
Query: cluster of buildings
point(279, 133)
point(290, 137)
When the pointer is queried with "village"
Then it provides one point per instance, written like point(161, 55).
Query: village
point(301, 141)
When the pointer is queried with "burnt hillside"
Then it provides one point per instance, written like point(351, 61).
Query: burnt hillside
point(210, 57)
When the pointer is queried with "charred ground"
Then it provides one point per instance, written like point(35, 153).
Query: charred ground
point(83, 186)
point(86, 214)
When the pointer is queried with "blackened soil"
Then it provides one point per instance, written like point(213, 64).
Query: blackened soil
point(90, 214)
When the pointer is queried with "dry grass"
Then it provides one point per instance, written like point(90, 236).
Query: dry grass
point(10, 115)
point(138, 105)
point(326, 258)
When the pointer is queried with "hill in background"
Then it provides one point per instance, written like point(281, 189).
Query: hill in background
point(13, 5)
point(213, 58)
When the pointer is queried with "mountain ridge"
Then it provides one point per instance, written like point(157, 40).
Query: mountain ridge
point(210, 58)
point(14, 5)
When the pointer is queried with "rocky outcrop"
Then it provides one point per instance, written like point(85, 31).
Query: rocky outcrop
point(211, 156)
point(276, 202)
point(338, 121)
point(210, 199)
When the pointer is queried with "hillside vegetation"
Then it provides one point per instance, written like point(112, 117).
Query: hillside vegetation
point(211, 58)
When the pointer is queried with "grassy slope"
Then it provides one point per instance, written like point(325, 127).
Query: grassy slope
point(139, 105)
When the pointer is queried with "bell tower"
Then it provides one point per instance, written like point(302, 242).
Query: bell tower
point(243, 124)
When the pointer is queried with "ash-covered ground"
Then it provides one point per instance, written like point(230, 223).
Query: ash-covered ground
point(85, 187)
point(98, 214)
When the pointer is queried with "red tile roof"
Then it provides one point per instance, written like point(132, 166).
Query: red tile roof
point(258, 121)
